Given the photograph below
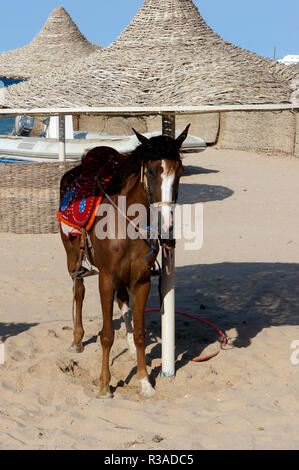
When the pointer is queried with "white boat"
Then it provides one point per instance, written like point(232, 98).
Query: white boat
point(290, 59)
point(41, 149)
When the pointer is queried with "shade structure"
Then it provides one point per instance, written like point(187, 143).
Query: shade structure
point(58, 43)
point(167, 55)
point(291, 74)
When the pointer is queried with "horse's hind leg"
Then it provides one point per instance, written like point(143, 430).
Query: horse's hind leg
point(79, 293)
point(123, 303)
point(72, 248)
point(139, 297)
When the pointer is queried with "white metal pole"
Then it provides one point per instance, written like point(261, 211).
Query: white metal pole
point(168, 288)
point(69, 128)
point(168, 320)
point(62, 138)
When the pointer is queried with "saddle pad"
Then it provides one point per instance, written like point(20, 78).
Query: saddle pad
point(83, 195)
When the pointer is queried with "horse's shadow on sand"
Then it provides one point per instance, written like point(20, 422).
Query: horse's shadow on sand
point(247, 297)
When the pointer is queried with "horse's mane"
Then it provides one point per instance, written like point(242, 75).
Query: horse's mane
point(157, 148)
point(128, 167)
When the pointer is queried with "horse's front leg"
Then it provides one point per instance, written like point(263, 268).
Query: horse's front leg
point(139, 295)
point(107, 292)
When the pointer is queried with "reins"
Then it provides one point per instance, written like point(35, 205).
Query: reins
point(166, 249)
point(138, 229)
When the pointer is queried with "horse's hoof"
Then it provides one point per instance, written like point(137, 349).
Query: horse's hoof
point(104, 395)
point(76, 349)
point(147, 391)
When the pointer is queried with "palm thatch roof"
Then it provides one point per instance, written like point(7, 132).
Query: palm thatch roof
point(290, 74)
point(58, 43)
point(167, 55)
point(294, 82)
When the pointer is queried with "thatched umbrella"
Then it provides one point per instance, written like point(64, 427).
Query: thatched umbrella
point(294, 81)
point(58, 43)
point(290, 74)
point(167, 55)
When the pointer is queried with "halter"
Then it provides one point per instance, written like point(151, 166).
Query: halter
point(144, 181)
point(166, 249)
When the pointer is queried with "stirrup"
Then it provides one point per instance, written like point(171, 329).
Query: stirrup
point(84, 272)
point(87, 273)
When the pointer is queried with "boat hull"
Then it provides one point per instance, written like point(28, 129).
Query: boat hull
point(42, 149)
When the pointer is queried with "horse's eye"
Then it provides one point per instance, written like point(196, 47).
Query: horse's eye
point(150, 172)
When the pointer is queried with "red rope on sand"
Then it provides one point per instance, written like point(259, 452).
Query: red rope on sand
point(206, 322)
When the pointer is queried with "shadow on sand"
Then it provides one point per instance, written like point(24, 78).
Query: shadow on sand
point(13, 329)
point(193, 193)
point(190, 170)
point(247, 297)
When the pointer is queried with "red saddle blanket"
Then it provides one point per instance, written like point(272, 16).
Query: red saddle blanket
point(83, 195)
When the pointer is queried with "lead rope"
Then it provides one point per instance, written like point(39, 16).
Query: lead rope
point(167, 254)
point(138, 229)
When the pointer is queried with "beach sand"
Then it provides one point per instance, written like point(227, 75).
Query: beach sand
point(245, 280)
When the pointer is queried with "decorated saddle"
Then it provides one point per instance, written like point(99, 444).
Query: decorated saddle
point(80, 190)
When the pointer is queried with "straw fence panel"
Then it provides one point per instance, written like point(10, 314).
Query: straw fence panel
point(270, 132)
point(112, 125)
point(205, 126)
point(202, 125)
point(29, 195)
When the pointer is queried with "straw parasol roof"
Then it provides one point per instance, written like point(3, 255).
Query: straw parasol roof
point(167, 55)
point(293, 76)
point(290, 74)
point(59, 42)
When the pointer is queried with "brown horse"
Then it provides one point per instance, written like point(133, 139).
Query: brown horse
point(149, 176)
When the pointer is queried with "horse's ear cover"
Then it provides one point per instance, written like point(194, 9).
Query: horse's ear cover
point(142, 139)
point(182, 137)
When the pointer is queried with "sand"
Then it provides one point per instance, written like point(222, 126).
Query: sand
point(245, 279)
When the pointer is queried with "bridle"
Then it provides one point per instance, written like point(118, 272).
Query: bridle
point(168, 246)
point(144, 181)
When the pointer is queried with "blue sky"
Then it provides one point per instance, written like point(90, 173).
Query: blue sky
point(257, 25)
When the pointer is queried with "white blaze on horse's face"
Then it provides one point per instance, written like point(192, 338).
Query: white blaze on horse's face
point(167, 196)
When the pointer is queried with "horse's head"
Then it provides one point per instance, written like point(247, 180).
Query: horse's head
point(161, 171)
